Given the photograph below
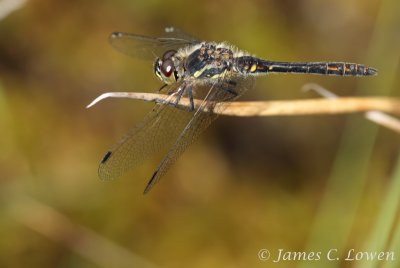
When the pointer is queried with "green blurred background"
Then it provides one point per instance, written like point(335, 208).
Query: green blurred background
point(294, 183)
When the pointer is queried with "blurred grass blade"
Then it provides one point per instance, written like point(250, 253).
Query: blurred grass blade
point(381, 235)
point(395, 244)
point(8, 6)
point(378, 117)
point(385, 120)
point(337, 211)
point(45, 220)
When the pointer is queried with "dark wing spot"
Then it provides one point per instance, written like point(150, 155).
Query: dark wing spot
point(106, 156)
point(150, 183)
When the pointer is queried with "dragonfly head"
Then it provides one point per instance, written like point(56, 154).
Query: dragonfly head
point(164, 68)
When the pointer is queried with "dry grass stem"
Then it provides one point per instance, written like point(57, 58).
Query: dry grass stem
point(275, 108)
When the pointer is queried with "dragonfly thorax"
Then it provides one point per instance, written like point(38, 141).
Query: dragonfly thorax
point(209, 61)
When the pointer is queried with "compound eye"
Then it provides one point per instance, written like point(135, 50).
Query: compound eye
point(167, 68)
point(168, 54)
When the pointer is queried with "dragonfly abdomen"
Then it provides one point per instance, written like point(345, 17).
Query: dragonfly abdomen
point(252, 65)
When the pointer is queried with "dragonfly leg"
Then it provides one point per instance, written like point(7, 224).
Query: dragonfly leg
point(162, 87)
point(179, 94)
point(190, 95)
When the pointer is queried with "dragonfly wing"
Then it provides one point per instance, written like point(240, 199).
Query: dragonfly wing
point(159, 129)
point(144, 47)
point(180, 34)
point(224, 90)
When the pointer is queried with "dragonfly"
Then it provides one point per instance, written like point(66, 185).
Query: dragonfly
point(209, 71)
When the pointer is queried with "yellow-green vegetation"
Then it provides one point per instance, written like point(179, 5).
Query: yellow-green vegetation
point(301, 184)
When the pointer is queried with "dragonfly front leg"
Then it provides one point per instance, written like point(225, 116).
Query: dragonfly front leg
point(162, 87)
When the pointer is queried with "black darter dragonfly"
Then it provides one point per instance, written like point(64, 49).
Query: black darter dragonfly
point(212, 72)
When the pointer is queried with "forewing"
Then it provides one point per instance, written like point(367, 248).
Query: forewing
point(180, 34)
point(224, 90)
point(144, 47)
